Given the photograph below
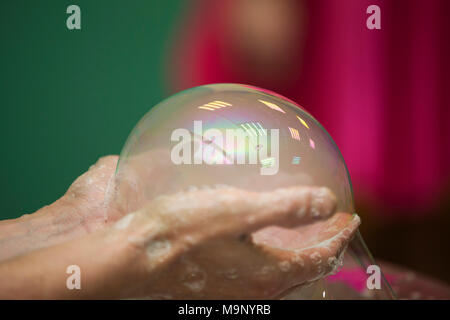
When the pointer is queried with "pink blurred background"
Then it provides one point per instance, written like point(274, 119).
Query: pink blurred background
point(383, 95)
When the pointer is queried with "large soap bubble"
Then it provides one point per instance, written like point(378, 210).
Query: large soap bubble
point(220, 135)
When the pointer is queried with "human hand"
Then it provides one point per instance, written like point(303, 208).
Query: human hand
point(81, 210)
point(223, 244)
point(201, 244)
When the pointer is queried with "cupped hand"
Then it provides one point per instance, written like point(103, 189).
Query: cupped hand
point(210, 243)
point(234, 244)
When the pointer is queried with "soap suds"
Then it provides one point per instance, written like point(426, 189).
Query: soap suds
point(124, 222)
point(158, 250)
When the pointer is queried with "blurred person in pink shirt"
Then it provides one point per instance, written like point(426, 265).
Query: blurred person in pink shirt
point(382, 94)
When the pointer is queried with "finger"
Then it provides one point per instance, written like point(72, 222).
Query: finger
point(93, 183)
point(229, 211)
point(310, 252)
point(88, 194)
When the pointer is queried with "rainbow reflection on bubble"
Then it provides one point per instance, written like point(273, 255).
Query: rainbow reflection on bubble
point(232, 135)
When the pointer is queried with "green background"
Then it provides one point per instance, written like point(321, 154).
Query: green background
point(69, 97)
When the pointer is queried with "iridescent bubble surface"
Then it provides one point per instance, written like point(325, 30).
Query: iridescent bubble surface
point(284, 146)
point(220, 135)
